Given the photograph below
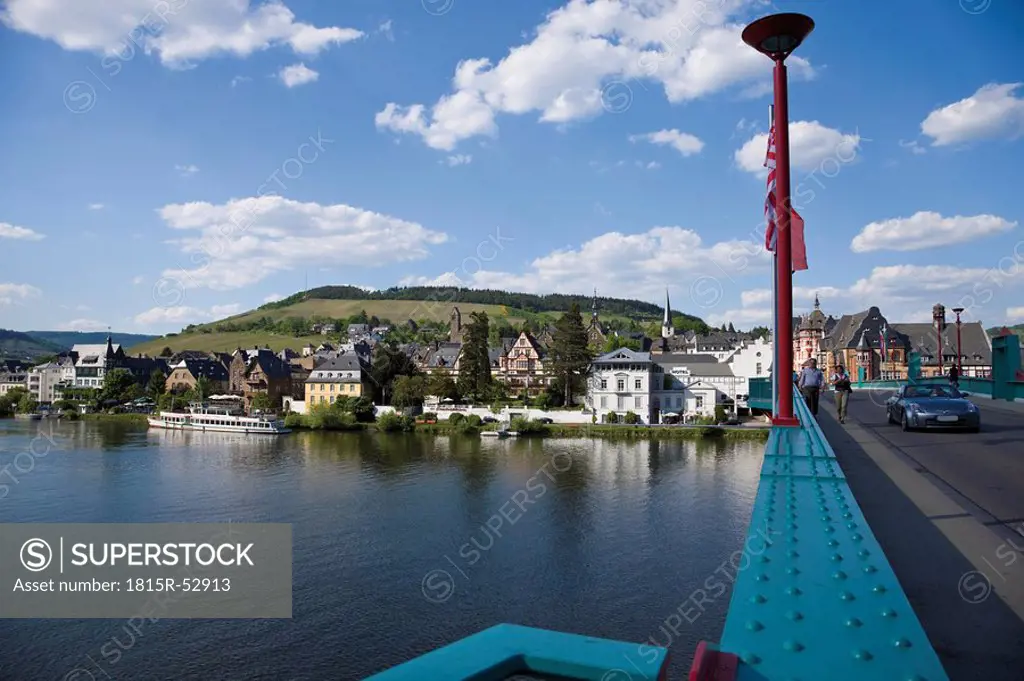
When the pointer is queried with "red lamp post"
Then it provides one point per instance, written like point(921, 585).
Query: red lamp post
point(776, 36)
point(959, 346)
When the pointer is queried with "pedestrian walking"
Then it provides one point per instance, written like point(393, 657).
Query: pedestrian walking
point(810, 383)
point(841, 385)
point(954, 377)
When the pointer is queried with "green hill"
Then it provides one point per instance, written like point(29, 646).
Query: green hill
point(288, 322)
point(66, 339)
point(1016, 328)
point(18, 345)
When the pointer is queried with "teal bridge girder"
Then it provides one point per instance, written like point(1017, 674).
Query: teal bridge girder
point(814, 597)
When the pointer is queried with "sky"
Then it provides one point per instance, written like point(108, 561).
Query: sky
point(169, 162)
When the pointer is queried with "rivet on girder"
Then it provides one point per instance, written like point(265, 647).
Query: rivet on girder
point(846, 596)
point(864, 553)
point(836, 558)
point(792, 571)
point(839, 574)
point(795, 615)
point(792, 553)
point(763, 559)
point(793, 646)
point(853, 623)
point(754, 625)
point(901, 643)
point(880, 589)
point(862, 655)
point(870, 569)
point(889, 613)
point(762, 577)
point(832, 543)
point(750, 658)
point(758, 598)
point(793, 591)
point(856, 537)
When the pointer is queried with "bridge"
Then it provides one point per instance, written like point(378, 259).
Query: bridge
point(820, 598)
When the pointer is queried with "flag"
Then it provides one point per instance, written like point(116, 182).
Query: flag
point(881, 345)
point(796, 223)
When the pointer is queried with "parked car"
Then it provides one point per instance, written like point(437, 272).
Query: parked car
point(545, 420)
point(489, 419)
point(933, 406)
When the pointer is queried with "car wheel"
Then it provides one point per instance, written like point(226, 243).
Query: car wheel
point(888, 416)
point(904, 424)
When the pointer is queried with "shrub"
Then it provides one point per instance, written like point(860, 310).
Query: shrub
point(428, 416)
point(527, 427)
point(456, 418)
point(610, 417)
point(394, 423)
point(473, 421)
point(631, 418)
point(293, 420)
point(720, 415)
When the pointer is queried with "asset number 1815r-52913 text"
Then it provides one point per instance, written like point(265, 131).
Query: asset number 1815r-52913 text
point(184, 584)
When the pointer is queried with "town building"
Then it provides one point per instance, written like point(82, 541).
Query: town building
point(620, 382)
point(455, 330)
point(13, 374)
point(597, 334)
point(44, 381)
point(343, 376)
point(808, 333)
point(92, 361)
point(522, 366)
point(185, 375)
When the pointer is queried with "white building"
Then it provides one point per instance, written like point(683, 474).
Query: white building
point(13, 374)
point(92, 362)
point(752, 360)
point(701, 380)
point(44, 382)
point(620, 382)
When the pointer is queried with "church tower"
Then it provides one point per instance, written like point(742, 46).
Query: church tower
point(455, 326)
point(666, 323)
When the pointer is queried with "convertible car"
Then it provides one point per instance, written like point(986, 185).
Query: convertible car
point(933, 406)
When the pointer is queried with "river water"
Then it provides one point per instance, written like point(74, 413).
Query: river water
point(402, 543)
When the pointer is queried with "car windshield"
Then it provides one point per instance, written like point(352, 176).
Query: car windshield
point(931, 391)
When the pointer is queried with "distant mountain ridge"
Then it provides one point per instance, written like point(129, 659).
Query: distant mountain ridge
point(19, 345)
point(66, 339)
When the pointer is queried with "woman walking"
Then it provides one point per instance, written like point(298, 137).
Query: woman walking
point(841, 385)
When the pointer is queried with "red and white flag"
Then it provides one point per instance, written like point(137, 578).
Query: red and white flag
point(796, 223)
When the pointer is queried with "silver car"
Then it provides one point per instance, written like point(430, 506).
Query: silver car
point(933, 406)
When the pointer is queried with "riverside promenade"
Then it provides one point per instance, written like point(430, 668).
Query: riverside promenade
point(948, 511)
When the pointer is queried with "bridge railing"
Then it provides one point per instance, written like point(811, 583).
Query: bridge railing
point(819, 599)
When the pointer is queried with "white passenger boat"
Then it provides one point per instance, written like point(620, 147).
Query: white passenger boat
point(218, 419)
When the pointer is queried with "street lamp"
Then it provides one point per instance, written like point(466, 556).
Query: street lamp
point(776, 36)
point(959, 347)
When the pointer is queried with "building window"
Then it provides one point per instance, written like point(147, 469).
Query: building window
point(700, 401)
point(604, 386)
point(604, 402)
point(639, 403)
point(621, 384)
point(637, 383)
point(757, 369)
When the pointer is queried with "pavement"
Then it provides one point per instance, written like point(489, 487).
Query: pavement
point(948, 510)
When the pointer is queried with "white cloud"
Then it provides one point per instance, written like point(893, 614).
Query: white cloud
point(1014, 315)
point(11, 294)
point(682, 142)
point(182, 315)
point(582, 59)
point(96, 206)
point(638, 265)
point(9, 231)
point(82, 325)
point(459, 160)
point(177, 31)
point(238, 80)
point(138, 280)
point(246, 240)
point(187, 170)
point(273, 297)
point(386, 30)
point(990, 113)
point(810, 144)
point(297, 74)
point(926, 230)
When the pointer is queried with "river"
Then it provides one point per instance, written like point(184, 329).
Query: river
point(402, 543)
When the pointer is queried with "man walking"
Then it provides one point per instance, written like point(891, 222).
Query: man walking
point(810, 382)
point(954, 377)
point(841, 384)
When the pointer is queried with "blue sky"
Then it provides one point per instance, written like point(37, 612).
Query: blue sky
point(228, 151)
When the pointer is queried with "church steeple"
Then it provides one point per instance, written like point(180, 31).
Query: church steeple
point(666, 323)
point(593, 307)
point(817, 304)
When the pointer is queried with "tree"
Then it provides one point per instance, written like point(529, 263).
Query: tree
point(408, 391)
point(261, 402)
point(732, 329)
point(389, 361)
point(10, 399)
point(474, 362)
point(760, 332)
point(157, 384)
point(167, 352)
point(614, 342)
point(442, 386)
point(116, 386)
point(27, 404)
point(570, 357)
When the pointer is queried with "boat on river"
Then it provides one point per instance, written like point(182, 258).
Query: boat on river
point(205, 418)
